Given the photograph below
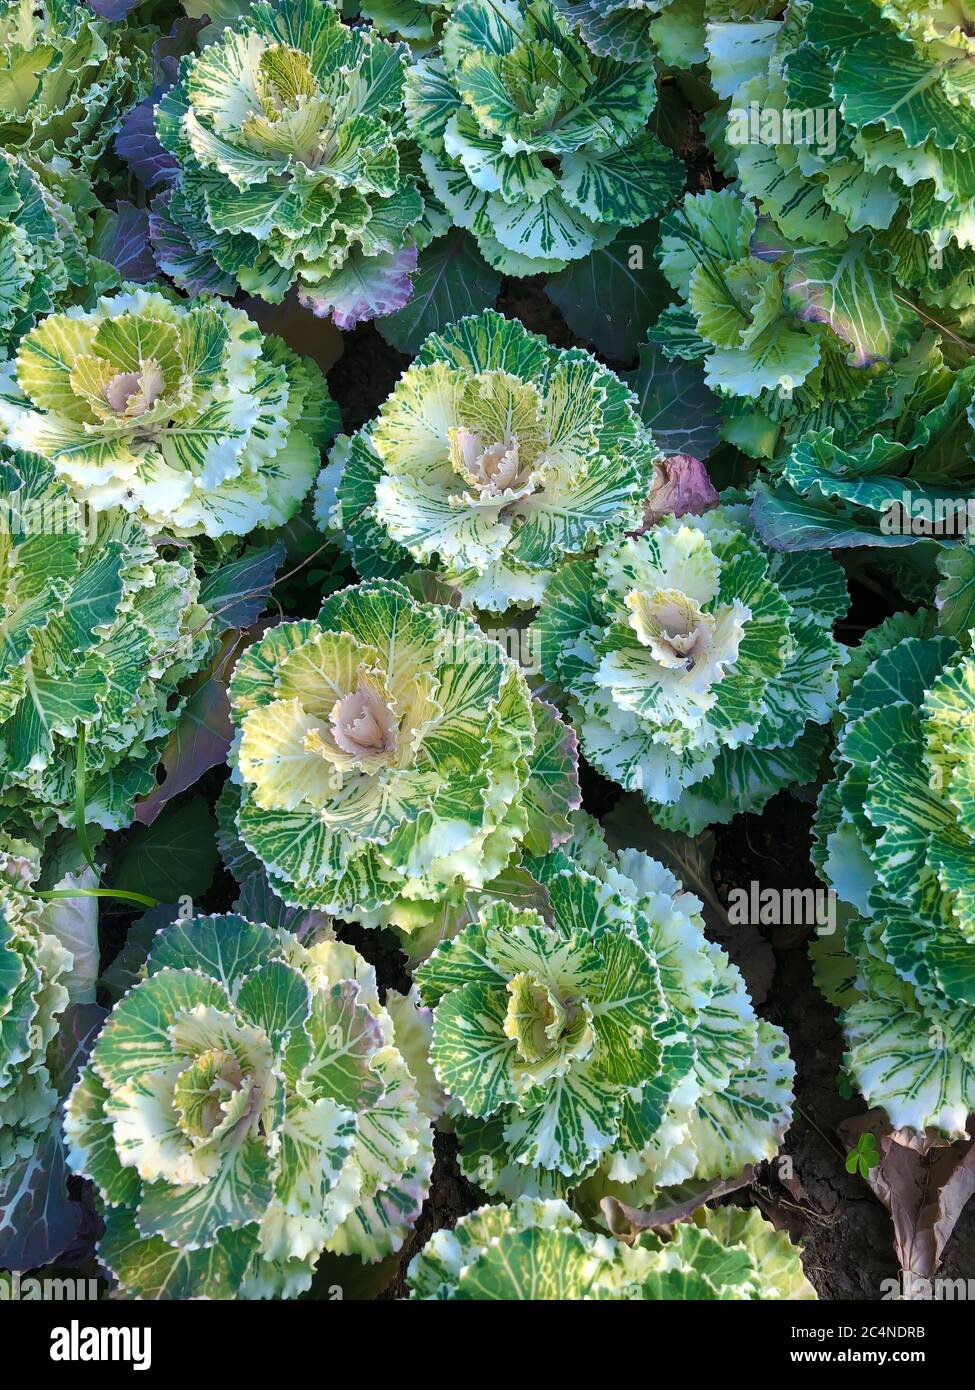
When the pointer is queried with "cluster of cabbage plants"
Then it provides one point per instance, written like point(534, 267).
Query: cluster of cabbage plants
point(422, 423)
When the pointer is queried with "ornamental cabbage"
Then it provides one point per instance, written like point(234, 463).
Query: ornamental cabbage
point(46, 231)
point(495, 456)
point(98, 631)
point(245, 1107)
point(68, 79)
point(34, 970)
point(293, 165)
point(606, 1042)
point(390, 757)
point(864, 150)
point(901, 456)
point(533, 143)
point(697, 667)
point(863, 191)
point(539, 1250)
point(740, 317)
point(181, 413)
point(896, 840)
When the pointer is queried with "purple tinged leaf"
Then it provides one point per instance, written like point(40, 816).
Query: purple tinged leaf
point(170, 48)
point(258, 902)
point(138, 145)
point(38, 1221)
point(202, 736)
point(237, 593)
point(123, 241)
point(366, 287)
point(680, 487)
point(195, 271)
point(112, 9)
point(80, 1025)
point(676, 406)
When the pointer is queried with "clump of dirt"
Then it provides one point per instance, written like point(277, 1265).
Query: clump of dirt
point(364, 375)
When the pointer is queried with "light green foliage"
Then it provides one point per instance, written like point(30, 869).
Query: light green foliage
point(47, 951)
point(67, 78)
point(246, 1107)
point(391, 757)
point(495, 457)
point(182, 413)
point(629, 29)
point(46, 225)
point(896, 840)
point(606, 1042)
point(536, 145)
point(850, 127)
point(417, 21)
point(293, 165)
point(900, 460)
point(98, 631)
point(697, 666)
point(538, 1250)
point(897, 162)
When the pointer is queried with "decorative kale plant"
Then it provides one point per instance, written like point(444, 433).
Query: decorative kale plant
point(495, 457)
point(896, 839)
point(244, 1108)
point(847, 484)
point(181, 413)
point(536, 145)
point(848, 237)
point(883, 188)
point(98, 633)
point(697, 667)
point(739, 315)
point(47, 231)
point(391, 757)
point(69, 78)
point(539, 1250)
point(606, 1041)
point(34, 969)
point(294, 168)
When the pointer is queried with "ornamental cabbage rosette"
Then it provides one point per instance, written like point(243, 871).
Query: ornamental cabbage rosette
point(852, 123)
point(533, 143)
point(390, 757)
point(539, 1250)
point(495, 457)
point(46, 227)
point(739, 319)
point(245, 1107)
point(293, 165)
point(181, 413)
point(34, 970)
point(68, 79)
point(697, 666)
point(98, 631)
point(882, 471)
point(896, 841)
point(606, 1042)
